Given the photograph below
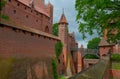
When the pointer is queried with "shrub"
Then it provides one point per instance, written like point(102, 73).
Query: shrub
point(115, 57)
point(58, 48)
point(62, 77)
point(54, 68)
point(90, 56)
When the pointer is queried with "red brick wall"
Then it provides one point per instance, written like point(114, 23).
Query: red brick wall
point(115, 51)
point(24, 15)
point(115, 73)
point(88, 62)
point(104, 50)
point(26, 44)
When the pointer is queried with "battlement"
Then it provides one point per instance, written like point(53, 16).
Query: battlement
point(37, 17)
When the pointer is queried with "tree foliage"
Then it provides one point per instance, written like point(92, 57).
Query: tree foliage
point(2, 4)
point(93, 44)
point(98, 15)
point(90, 56)
point(55, 29)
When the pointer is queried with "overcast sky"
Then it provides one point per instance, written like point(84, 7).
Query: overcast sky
point(70, 13)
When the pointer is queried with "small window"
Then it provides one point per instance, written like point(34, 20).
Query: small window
point(36, 20)
point(36, 13)
point(14, 11)
point(26, 16)
point(9, 0)
point(47, 29)
point(25, 8)
point(18, 4)
point(58, 60)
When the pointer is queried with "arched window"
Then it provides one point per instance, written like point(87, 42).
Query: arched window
point(47, 29)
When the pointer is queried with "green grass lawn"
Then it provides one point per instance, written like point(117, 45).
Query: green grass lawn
point(115, 65)
point(62, 77)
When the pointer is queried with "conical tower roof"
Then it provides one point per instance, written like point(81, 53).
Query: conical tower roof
point(63, 19)
point(104, 42)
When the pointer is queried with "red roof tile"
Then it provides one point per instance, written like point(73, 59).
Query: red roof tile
point(103, 42)
point(63, 19)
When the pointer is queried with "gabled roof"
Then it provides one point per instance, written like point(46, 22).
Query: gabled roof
point(103, 42)
point(63, 19)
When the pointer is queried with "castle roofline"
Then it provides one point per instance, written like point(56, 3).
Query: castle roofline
point(28, 29)
point(63, 19)
point(37, 8)
point(104, 42)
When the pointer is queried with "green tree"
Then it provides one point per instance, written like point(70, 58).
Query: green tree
point(93, 44)
point(2, 4)
point(55, 29)
point(98, 15)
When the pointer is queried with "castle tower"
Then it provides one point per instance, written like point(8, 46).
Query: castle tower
point(62, 28)
point(49, 10)
point(63, 35)
point(79, 61)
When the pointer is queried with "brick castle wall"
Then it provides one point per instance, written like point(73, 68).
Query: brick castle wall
point(18, 42)
point(27, 16)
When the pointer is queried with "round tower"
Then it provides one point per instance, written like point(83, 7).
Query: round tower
point(63, 29)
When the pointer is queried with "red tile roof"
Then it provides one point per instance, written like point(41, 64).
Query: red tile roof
point(104, 42)
point(63, 19)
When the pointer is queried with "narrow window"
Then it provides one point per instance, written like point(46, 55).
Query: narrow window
point(26, 16)
point(18, 4)
point(14, 11)
point(47, 29)
point(36, 20)
point(58, 60)
point(25, 8)
point(9, 0)
point(36, 13)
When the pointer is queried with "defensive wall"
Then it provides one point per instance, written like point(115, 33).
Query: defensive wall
point(20, 41)
point(96, 71)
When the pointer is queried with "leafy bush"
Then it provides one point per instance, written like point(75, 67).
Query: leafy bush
point(58, 48)
point(55, 29)
point(115, 57)
point(4, 17)
point(90, 56)
point(54, 68)
point(62, 77)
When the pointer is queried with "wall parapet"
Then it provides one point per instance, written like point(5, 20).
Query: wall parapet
point(96, 71)
point(28, 29)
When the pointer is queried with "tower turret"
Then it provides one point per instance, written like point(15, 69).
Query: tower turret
point(63, 29)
